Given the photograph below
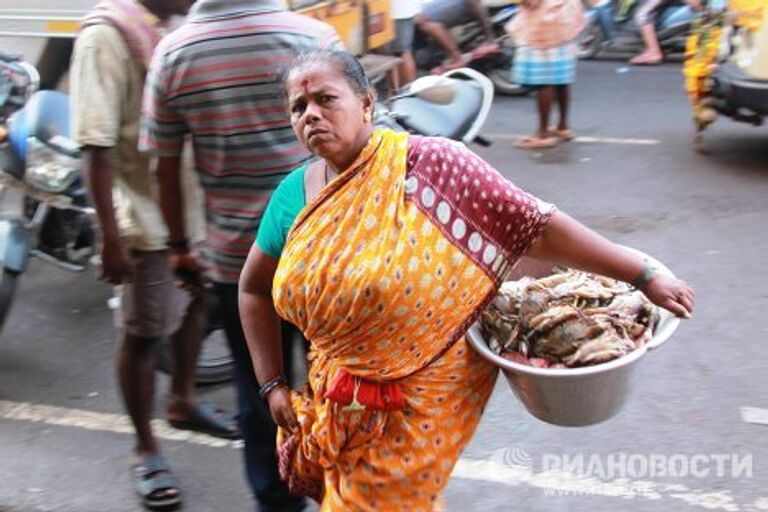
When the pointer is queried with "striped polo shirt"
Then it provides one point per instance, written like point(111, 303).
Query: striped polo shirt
point(216, 78)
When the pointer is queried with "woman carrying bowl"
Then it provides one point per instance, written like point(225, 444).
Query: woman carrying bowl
point(384, 251)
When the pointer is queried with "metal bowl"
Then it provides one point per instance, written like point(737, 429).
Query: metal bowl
point(575, 397)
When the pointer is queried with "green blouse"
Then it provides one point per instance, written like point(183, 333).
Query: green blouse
point(284, 206)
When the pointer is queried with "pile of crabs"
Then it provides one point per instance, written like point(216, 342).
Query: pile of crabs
point(567, 319)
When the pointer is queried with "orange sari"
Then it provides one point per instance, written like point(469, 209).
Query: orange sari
point(384, 271)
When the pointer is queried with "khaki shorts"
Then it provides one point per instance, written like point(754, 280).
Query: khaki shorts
point(151, 306)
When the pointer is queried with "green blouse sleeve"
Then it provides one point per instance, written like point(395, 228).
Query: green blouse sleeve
point(283, 208)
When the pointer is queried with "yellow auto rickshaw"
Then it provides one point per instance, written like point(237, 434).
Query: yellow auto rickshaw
point(726, 66)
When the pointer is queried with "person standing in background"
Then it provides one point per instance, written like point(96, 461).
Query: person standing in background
point(436, 19)
point(216, 78)
point(404, 13)
point(111, 55)
point(545, 33)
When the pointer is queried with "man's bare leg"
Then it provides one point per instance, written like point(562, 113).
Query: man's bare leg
point(443, 38)
point(185, 350)
point(652, 53)
point(481, 14)
point(136, 376)
point(407, 68)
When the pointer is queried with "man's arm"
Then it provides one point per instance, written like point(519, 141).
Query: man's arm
point(115, 264)
point(171, 198)
point(97, 91)
point(163, 132)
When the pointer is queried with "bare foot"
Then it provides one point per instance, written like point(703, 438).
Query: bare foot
point(449, 65)
point(483, 49)
point(646, 59)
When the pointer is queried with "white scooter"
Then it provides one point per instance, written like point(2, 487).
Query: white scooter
point(454, 105)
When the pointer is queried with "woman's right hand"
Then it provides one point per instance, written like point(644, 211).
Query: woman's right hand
point(281, 409)
point(672, 294)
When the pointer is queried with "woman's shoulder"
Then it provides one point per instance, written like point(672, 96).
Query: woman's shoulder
point(423, 149)
point(292, 181)
point(296, 175)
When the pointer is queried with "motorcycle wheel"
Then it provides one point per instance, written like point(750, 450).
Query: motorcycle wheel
point(590, 41)
point(214, 364)
point(504, 85)
point(7, 291)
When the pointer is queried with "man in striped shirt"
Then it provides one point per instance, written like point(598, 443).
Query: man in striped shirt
point(216, 78)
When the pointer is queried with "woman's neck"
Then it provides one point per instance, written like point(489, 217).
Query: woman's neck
point(339, 165)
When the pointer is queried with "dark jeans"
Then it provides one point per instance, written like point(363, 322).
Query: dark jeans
point(605, 19)
point(258, 429)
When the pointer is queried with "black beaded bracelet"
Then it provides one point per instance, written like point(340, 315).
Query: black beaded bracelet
point(270, 385)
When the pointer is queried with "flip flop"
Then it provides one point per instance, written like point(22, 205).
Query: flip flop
point(537, 142)
point(563, 135)
point(208, 419)
point(152, 475)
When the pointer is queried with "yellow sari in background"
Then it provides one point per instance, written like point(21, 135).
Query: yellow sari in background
point(383, 272)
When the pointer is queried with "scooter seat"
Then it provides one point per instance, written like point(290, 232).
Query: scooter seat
point(452, 120)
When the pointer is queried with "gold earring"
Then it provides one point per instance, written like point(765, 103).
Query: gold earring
point(367, 117)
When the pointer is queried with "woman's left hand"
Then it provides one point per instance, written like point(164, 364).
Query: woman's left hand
point(671, 294)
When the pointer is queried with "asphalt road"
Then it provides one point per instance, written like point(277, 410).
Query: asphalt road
point(680, 443)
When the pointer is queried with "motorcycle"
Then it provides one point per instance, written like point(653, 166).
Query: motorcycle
point(611, 27)
point(38, 159)
point(454, 105)
point(55, 222)
point(496, 66)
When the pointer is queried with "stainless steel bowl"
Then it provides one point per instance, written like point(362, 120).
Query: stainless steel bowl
point(576, 397)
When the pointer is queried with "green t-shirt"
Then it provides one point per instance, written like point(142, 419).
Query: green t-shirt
point(283, 208)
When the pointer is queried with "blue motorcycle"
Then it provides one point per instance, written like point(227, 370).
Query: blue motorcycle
point(611, 28)
point(40, 166)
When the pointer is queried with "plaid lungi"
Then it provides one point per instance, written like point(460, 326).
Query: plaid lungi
point(549, 66)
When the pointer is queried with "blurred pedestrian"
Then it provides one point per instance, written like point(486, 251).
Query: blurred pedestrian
point(545, 34)
point(438, 16)
point(216, 78)
point(646, 17)
point(111, 55)
point(403, 14)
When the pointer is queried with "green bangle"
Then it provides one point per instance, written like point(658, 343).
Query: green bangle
point(645, 277)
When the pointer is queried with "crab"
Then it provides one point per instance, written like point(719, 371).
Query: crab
point(569, 318)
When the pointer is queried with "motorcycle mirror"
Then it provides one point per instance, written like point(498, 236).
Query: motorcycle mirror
point(434, 89)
